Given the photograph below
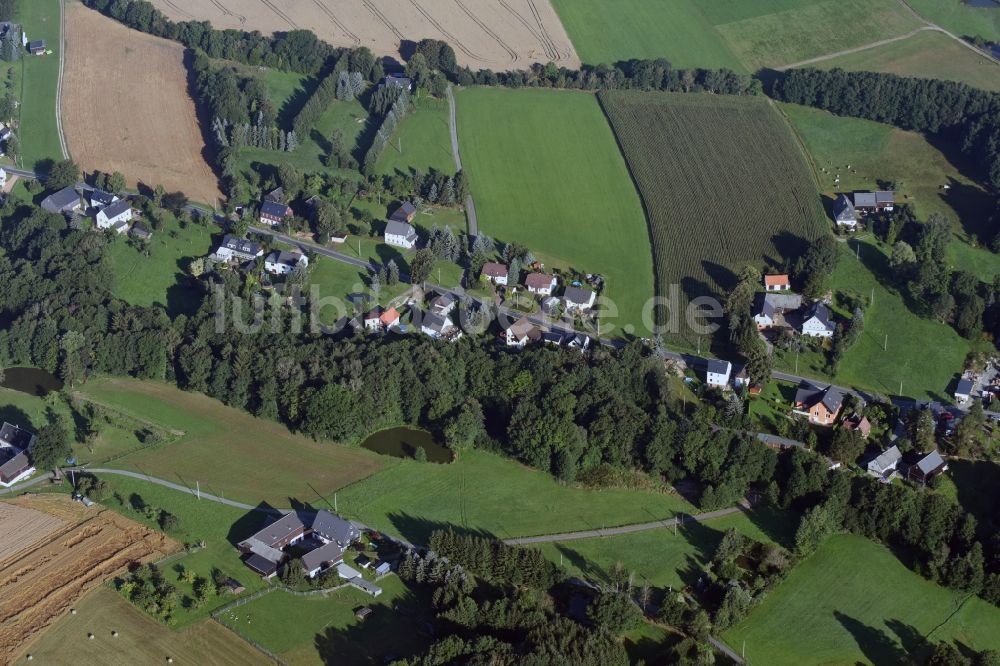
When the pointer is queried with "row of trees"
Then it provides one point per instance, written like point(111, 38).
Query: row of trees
point(392, 118)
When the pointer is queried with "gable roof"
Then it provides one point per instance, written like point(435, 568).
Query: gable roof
point(273, 209)
point(717, 367)
point(523, 328)
point(36, 44)
point(821, 313)
point(102, 197)
point(762, 305)
point(884, 196)
point(374, 315)
point(930, 462)
point(241, 245)
point(404, 212)
point(864, 199)
point(334, 528)
point(538, 280)
point(389, 316)
point(886, 459)
point(115, 209)
point(578, 295)
point(776, 281)
point(329, 552)
point(15, 464)
point(285, 257)
point(809, 395)
point(395, 228)
point(435, 322)
point(964, 387)
point(59, 201)
point(784, 301)
point(278, 530)
point(12, 435)
point(261, 565)
point(493, 269)
point(843, 209)
point(276, 195)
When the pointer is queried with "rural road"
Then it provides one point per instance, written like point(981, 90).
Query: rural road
point(928, 26)
point(625, 529)
point(470, 205)
point(59, 81)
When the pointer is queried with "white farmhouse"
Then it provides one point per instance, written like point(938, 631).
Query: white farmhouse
point(540, 283)
point(717, 373)
point(817, 322)
point(284, 262)
point(116, 216)
point(400, 234)
point(578, 299)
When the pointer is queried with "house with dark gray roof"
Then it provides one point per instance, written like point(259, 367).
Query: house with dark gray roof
point(100, 198)
point(65, 201)
point(578, 299)
point(400, 234)
point(864, 202)
point(15, 447)
point(717, 372)
point(927, 467)
point(963, 392)
point(821, 405)
point(405, 213)
point(885, 463)
point(237, 249)
point(844, 213)
point(115, 216)
point(320, 559)
point(818, 322)
point(36, 47)
point(273, 213)
point(333, 528)
point(284, 262)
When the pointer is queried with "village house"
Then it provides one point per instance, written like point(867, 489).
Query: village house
point(389, 319)
point(578, 299)
point(717, 373)
point(65, 201)
point(844, 213)
point(405, 213)
point(237, 249)
point(329, 534)
point(285, 261)
point(867, 203)
point(140, 232)
point(927, 467)
point(320, 559)
point(444, 304)
point(821, 405)
point(116, 216)
point(521, 333)
point(15, 446)
point(264, 551)
point(769, 309)
point(818, 322)
point(439, 327)
point(540, 283)
point(859, 423)
point(272, 213)
point(277, 195)
point(100, 199)
point(400, 234)
point(777, 283)
point(373, 320)
point(963, 391)
point(36, 47)
point(398, 81)
point(495, 273)
point(884, 465)
point(579, 341)
point(555, 337)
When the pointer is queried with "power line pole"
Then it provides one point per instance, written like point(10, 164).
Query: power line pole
point(197, 485)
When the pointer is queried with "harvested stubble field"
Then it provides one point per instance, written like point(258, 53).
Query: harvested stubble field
point(724, 184)
point(125, 106)
point(502, 34)
point(71, 550)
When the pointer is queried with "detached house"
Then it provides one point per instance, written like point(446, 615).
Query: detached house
point(439, 327)
point(15, 447)
point(578, 299)
point(238, 249)
point(400, 234)
point(444, 304)
point(963, 392)
point(398, 81)
point(264, 552)
point(777, 283)
point(495, 273)
point(540, 283)
point(389, 319)
point(717, 373)
point(817, 322)
point(873, 202)
point(273, 213)
point(521, 333)
point(116, 216)
point(859, 423)
point(284, 262)
point(927, 467)
point(405, 213)
point(36, 47)
point(885, 463)
point(822, 406)
point(844, 213)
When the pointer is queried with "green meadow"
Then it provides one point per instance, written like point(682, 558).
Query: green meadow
point(546, 171)
point(421, 142)
point(855, 602)
point(961, 18)
point(38, 130)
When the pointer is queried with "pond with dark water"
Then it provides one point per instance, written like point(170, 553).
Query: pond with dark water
point(33, 381)
point(983, 4)
point(402, 442)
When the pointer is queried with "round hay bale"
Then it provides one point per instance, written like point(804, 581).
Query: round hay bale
point(72, 611)
point(90, 637)
point(114, 634)
point(28, 657)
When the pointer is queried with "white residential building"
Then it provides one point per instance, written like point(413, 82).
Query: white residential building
point(400, 234)
point(717, 373)
point(116, 216)
point(284, 262)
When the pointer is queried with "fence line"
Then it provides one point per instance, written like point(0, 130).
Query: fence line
point(253, 643)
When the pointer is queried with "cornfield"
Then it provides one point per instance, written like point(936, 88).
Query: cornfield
point(723, 181)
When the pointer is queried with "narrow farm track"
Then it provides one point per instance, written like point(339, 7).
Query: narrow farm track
point(485, 28)
point(381, 18)
point(59, 82)
point(173, 5)
point(545, 31)
point(452, 39)
point(336, 21)
point(548, 47)
point(470, 205)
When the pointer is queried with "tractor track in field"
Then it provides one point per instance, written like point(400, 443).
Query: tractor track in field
point(452, 39)
point(380, 17)
point(226, 11)
point(545, 31)
point(336, 21)
point(173, 5)
point(548, 47)
point(280, 14)
point(489, 31)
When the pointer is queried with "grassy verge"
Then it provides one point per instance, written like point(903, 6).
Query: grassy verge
point(854, 601)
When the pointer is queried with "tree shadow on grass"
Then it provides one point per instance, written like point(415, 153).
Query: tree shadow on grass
point(876, 645)
point(587, 568)
point(417, 530)
point(777, 525)
point(252, 522)
point(18, 417)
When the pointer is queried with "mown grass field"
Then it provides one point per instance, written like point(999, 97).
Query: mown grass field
point(923, 354)
point(661, 558)
point(723, 181)
point(875, 151)
point(140, 639)
point(739, 35)
point(424, 139)
point(961, 18)
point(928, 55)
point(546, 172)
point(485, 492)
point(323, 630)
point(40, 76)
point(229, 452)
point(219, 526)
point(854, 602)
point(158, 279)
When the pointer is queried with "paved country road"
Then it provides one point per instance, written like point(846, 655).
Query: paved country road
point(625, 529)
point(470, 205)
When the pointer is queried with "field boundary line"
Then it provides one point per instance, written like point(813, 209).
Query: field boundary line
point(800, 141)
point(128, 414)
point(59, 81)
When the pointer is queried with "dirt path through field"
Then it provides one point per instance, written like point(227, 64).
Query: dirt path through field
point(125, 106)
point(498, 34)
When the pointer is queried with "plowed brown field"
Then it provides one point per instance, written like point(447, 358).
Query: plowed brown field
point(126, 107)
point(60, 551)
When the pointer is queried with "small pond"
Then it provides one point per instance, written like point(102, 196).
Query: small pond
point(403, 442)
point(983, 4)
point(33, 381)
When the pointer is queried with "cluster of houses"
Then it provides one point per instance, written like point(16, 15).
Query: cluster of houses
point(437, 322)
point(15, 449)
point(849, 209)
point(523, 332)
point(778, 308)
point(107, 210)
point(576, 299)
point(244, 252)
point(322, 539)
point(920, 468)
